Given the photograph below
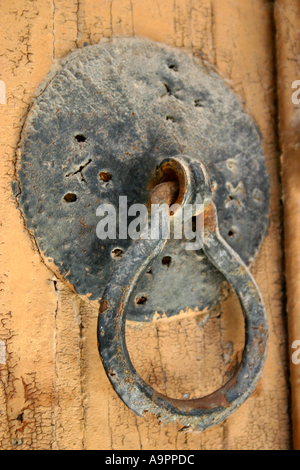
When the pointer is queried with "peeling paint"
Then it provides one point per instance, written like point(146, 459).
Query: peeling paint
point(264, 423)
point(2, 92)
point(2, 353)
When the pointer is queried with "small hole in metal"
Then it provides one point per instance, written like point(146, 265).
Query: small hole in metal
point(173, 67)
point(117, 254)
point(231, 233)
point(166, 261)
point(104, 176)
point(80, 138)
point(141, 300)
point(70, 197)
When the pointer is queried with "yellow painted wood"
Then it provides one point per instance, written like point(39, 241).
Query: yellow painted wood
point(54, 393)
point(287, 15)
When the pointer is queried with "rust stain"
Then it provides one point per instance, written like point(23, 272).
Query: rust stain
point(104, 176)
point(173, 171)
point(120, 308)
point(103, 306)
point(170, 172)
point(212, 401)
point(165, 192)
point(210, 220)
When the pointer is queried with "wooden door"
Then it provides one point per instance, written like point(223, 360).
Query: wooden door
point(54, 393)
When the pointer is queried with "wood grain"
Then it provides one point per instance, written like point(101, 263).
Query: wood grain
point(54, 393)
point(287, 14)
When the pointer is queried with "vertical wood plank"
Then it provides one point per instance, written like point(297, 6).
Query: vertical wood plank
point(287, 14)
point(27, 299)
point(65, 26)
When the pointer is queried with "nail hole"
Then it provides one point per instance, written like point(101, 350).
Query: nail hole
point(231, 233)
point(170, 118)
point(70, 197)
point(150, 271)
point(166, 261)
point(141, 300)
point(117, 254)
point(104, 176)
point(173, 67)
point(20, 418)
point(80, 138)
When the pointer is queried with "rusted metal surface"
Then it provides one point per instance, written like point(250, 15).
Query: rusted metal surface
point(202, 413)
point(167, 192)
point(101, 123)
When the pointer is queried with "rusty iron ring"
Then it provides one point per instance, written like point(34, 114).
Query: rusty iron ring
point(196, 414)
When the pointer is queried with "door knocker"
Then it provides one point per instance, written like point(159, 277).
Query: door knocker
point(130, 117)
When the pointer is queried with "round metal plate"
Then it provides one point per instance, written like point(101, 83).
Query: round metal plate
point(100, 125)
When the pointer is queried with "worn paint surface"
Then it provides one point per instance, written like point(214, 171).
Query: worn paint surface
point(2, 353)
point(2, 92)
point(287, 15)
point(53, 389)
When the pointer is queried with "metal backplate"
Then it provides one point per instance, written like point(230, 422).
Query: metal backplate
point(100, 125)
